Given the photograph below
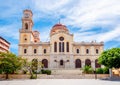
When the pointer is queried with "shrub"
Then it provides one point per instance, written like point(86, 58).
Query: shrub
point(0, 71)
point(105, 70)
point(88, 69)
point(91, 70)
point(99, 70)
point(25, 71)
point(43, 71)
point(48, 72)
point(33, 77)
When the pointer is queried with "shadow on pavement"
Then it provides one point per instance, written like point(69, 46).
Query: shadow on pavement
point(114, 78)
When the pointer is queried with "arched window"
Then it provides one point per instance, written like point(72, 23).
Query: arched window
point(59, 46)
point(88, 62)
point(61, 62)
point(97, 65)
point(87, 51)
point(62, 46)
point(44, 51)
point(55, 46)
point(26, 26)
point(25, 50)
point(97, 51)
point(35, 51)
point(67, 46)
point(77, 50)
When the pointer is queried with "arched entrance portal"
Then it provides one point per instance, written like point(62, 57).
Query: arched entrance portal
point(77, 63)
point(45, 63)
point(61, 62)
point(97, 65)
point(87, 62)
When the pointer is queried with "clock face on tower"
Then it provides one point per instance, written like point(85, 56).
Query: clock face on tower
point(27, 15)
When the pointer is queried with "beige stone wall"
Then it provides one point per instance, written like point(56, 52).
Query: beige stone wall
point(51, 56)
point(67, 38)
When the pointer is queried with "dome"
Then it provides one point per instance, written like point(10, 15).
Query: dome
point(59, 27)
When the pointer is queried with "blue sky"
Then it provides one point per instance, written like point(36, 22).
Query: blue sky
point(88, 20)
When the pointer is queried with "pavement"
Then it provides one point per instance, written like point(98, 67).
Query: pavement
point(59, 82)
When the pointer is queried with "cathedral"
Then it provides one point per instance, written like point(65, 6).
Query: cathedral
point(61, 51)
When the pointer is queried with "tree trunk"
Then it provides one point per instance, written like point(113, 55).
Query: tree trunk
point(7, 76)
point(31, 73)
point(110, 72)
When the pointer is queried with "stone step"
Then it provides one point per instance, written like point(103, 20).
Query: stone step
point(66, 71)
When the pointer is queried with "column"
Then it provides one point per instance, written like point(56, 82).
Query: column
point(93, 64)
point(83, 63)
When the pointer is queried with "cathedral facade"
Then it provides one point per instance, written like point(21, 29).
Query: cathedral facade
point(61, 51)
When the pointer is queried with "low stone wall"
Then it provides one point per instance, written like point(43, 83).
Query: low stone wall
point(99, 76)
point(15, 76)
point(44, 76)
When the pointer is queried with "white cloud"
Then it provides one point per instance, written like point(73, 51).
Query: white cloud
point(50, 5)
point(92, 12)
point(83, 14)
point(10, 31)
point(45, 34)
point(111, 35)
point(86, 14)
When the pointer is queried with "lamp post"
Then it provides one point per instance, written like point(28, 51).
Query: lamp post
point(37, 67)
point(95, 73)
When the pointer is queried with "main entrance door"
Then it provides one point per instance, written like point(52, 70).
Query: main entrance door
point(45, 63)
point(78, 63)
point(62, 64)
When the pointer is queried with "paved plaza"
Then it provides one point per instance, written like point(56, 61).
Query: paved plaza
point(59, 82)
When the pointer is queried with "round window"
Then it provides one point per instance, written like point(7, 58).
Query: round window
point(61, 38)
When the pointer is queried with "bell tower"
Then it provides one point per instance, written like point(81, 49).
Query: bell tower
point(27, 22)
point(26, 35)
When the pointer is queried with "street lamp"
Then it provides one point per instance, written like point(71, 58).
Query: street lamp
point(95, 73)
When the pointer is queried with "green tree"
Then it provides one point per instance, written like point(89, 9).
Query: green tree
point(110, 58)
point(9, 63)
point(34, 65)
point(30, 67)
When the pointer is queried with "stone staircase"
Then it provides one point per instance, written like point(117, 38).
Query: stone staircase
point(70, 74)
point(66, 71)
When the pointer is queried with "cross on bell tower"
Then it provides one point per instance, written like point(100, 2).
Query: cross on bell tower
point(59, 21)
